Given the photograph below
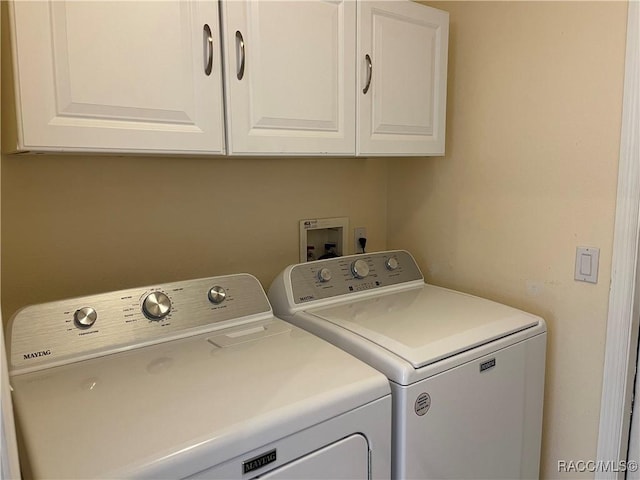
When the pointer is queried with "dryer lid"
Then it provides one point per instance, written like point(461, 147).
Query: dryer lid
point(175, 408)
point(427, 324)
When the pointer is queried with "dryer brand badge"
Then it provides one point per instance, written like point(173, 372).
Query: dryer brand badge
point(259, 461)
point(41, 353)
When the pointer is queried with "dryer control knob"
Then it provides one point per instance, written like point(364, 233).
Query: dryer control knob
point(391, 263)
point(85, 317)
point(156, 306)
point(360, 268)
point(324, 275)
point(217, 294)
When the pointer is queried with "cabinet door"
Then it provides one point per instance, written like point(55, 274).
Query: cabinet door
point(118, 76)
point(402, 58)
point(290, 76)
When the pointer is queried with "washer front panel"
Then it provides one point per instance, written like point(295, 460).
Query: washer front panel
point(345, 275)
point(41, 335)
point(479, 423)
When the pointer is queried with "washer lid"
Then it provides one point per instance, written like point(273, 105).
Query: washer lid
point(427, 324)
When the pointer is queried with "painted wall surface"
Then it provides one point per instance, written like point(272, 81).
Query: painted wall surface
point(533, 130)
point(77, 225)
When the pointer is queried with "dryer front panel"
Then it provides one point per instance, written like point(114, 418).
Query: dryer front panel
point(354, 445)
point(342, 460)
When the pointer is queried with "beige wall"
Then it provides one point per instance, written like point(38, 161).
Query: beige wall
point(76, 225)
point(534, 108)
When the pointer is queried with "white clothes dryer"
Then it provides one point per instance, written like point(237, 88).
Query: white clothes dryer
point(192, 379)
point(467, 374)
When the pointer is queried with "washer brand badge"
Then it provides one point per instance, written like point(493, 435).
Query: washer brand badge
point(32, 355)
point(306, 298)
point(487, 365)
point(259, 461)
point(423, 404)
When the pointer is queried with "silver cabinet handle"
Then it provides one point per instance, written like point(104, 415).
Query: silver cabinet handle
point(369, 74)
point(208, 49)
point(240, 54)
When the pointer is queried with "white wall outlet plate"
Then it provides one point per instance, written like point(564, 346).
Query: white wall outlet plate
point(358, 232)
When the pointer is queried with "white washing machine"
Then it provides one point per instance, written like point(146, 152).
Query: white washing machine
point(193, 379)
point(467, 374)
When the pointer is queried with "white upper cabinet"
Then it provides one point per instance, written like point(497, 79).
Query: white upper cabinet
point(301, 77)
point(117, 76)
point(290, 76)
point(402, 78)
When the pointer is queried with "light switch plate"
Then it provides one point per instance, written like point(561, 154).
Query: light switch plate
point(587, 259)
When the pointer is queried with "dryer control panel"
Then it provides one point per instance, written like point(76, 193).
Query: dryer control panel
point(69, 330)
point(355, 273)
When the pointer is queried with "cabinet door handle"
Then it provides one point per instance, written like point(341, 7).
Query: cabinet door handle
point(240, 54)
point(369, 74)
point(208, 49)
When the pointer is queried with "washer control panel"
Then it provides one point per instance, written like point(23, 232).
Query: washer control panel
point(356, 273)
point(51, 332)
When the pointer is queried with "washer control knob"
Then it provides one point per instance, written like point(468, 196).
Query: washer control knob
point(324, 275)
point(85, 317)
point(217, 294)
point(360, 268)
point(391, 263)
point(156, 306)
